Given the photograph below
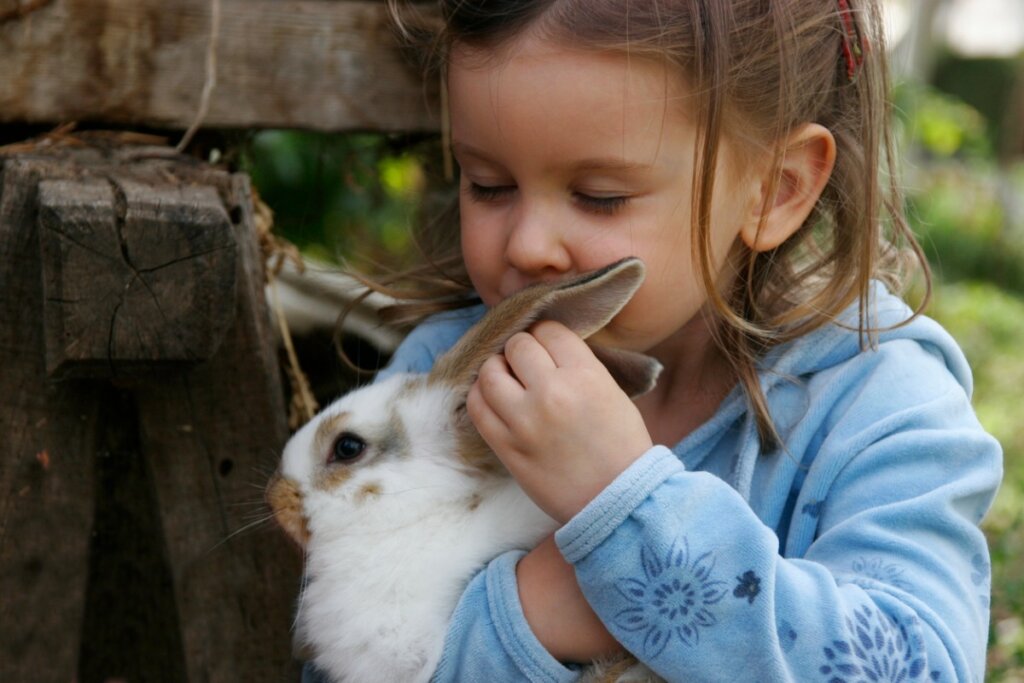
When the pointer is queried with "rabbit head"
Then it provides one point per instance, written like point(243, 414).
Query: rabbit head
point(396, 499)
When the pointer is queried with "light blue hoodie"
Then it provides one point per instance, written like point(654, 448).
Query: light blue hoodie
point(852, 554)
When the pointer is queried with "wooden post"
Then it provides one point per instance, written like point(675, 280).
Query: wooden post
point(142, 410)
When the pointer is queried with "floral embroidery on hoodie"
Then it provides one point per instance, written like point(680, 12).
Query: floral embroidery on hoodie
point(673, 599)
point(877, 649)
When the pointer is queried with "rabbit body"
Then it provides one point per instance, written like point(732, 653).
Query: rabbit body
point(392, 548)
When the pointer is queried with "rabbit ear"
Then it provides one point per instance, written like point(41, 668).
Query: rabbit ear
point(635, 373)
point(584, 304)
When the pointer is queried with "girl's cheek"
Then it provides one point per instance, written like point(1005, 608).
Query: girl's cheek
point(481, 252)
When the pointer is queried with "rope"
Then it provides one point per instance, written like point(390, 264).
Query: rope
point(211, 77)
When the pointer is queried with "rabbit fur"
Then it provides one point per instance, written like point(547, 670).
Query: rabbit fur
point(397, 502)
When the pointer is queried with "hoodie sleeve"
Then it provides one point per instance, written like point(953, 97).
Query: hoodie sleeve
point(885, 576)
point(489, 638)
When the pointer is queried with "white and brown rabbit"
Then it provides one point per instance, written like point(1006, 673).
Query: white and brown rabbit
point(397, 501)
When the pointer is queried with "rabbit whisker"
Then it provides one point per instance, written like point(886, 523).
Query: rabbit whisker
point(247, 503)
point(410, 490)
point(302, 593)
point(387, 530)
point(247, 527)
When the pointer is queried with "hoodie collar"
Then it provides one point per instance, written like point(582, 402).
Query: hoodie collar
point(821, 349)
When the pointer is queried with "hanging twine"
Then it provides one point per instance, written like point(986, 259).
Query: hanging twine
point(211, 78)
point(276, 251)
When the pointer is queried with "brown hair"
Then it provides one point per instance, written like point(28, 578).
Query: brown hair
point(770, 65)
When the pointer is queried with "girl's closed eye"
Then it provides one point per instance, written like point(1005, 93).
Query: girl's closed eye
point(600, 204)
point(489, 193)
point(591, 203)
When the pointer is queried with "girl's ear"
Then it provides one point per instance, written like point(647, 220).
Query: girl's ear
point(808, 158)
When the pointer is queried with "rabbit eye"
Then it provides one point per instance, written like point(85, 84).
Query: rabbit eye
point(346, 448)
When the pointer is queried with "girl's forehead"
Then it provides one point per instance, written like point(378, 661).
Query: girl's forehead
point(559, 96)
point(543, 66)
point(574, 102)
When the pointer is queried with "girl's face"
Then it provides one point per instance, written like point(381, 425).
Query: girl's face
point(572, 159)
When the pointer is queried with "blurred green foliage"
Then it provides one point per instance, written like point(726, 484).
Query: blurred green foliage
point(342, 198)
point(962, 225)
point(984, 84)
point(940, 125)
point(954, 189)
point(352, 198)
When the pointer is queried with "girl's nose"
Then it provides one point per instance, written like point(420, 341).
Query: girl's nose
point(536, 243)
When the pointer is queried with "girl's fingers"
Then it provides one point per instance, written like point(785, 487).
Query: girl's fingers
point(500, 389)
point(562, 344)
point(487, 422)
point(528, 360)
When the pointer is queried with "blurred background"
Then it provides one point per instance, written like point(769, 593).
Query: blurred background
point(959, 94)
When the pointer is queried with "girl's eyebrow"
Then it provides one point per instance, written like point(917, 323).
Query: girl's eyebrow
point(588, 164)
point(462, 149)
point(608, 164)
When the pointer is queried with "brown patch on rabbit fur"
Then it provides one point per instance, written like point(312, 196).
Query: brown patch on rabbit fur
point(333, 478)
point(371, 489)
point(610, 671)
point(285, 499)
point(474, 451)
point(326, 432)
point(395, 439)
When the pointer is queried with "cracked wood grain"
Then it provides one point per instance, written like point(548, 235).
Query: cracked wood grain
point(135, 275)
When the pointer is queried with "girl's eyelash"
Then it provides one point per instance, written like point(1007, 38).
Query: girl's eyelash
point(601, 205)
point(605, 206)
point(489, 193)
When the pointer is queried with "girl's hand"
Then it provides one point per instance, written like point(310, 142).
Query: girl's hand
point(556, 418)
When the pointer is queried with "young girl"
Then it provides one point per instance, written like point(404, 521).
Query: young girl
point(799, 497)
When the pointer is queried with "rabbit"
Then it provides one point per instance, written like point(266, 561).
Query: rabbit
point(397, 501)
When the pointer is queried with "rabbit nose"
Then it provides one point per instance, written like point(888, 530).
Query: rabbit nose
point(285, 499)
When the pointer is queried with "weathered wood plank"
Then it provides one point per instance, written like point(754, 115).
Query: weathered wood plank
point(46, 465)
point(318, 64)
point(130, 600)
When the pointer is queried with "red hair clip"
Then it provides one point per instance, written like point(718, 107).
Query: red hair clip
point(855, 45)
